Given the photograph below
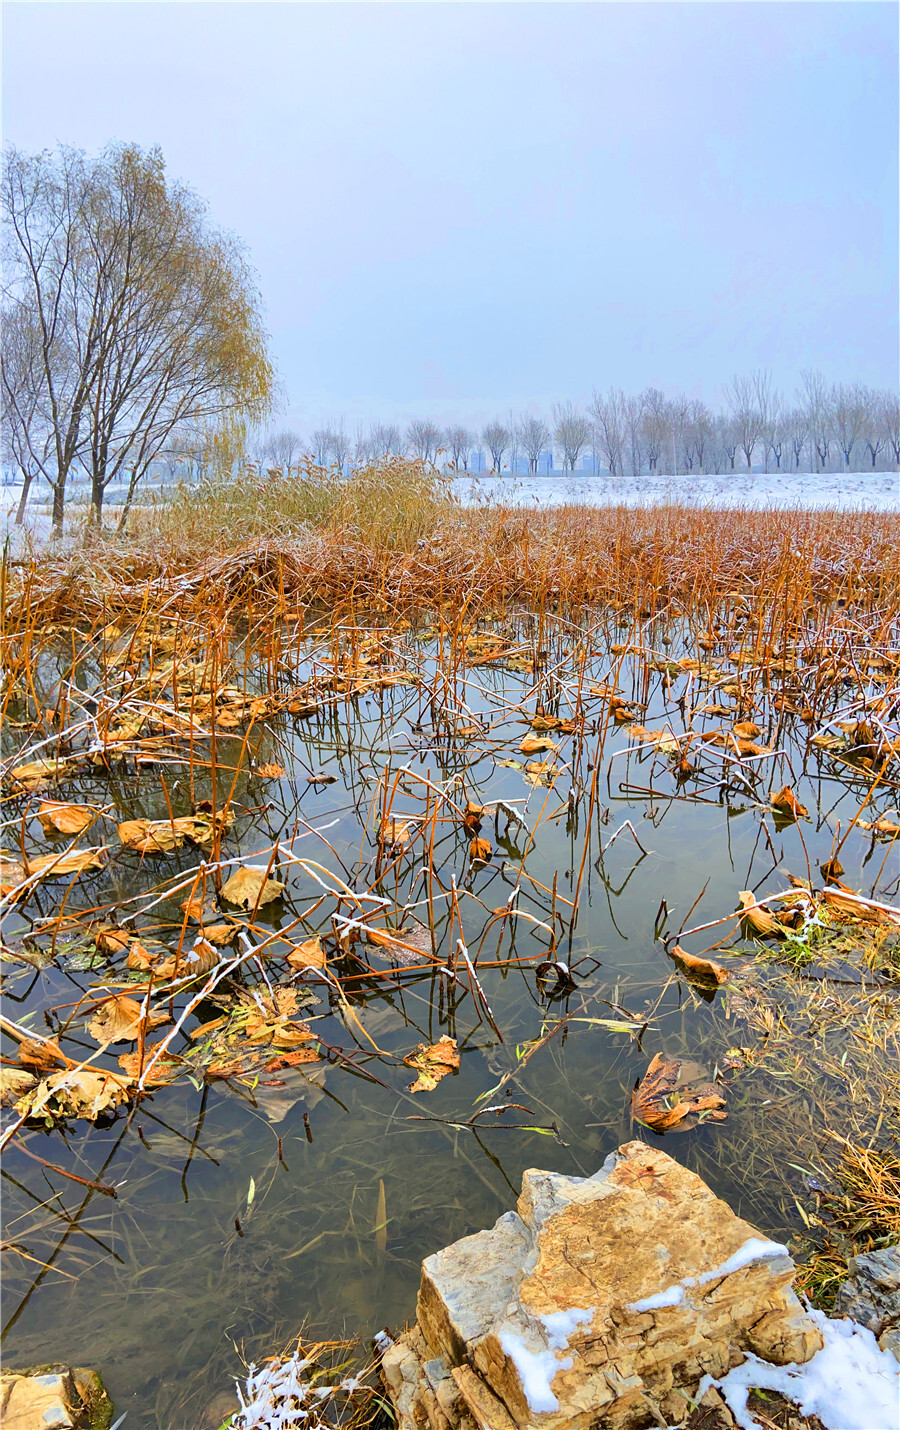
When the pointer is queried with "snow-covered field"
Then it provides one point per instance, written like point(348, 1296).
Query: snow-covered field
point(809, 490)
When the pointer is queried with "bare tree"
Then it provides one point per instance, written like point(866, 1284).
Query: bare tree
point(338, 447)
point(633, 419)
point(749, 398)
point(496, 436)
point(728, 439)
point(148, 318)
point(815, 398)
point(797, 423)
point(321, 445)
point(608, 414)
point(655, 424)
point(877, 423)
point(284, 449)
point(892, 423)
point(423, 439)
point(775, 431)
point(387, 440)
point(534, 434)
point(572, 431)
point(458, 442)
point(849, 411)
point(703, 430)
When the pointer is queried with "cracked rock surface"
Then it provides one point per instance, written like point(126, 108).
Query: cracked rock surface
point(599, 1304)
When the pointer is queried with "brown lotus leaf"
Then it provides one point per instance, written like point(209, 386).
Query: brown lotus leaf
point(472, 816)
point(270, 771)
point(111, 940)
point(119, 1020)
point(786, 706)
point(394, 835)
point(757, 921)
point(195, 908)
point(622, 715)
point(432, 1062)
point(191, 962)
point(604, 692)
point(309, 954)
point(704, 970)
point(12, 873)
point(746, 730)
point(155, 1074)
point(74, 861)
point(657, 1101)
point(152, 836)
point(76, 1092)
point(14, 1083)
point(66, 818)
point(139, 958)
point(250, 887)
point(35, 774)
point(831, 869)
point(887, 825)
point(851, 908)
point(534, 744)
point(540, 772)
point(664, 740)
point(541, 723)
point(788, 805)
point(220, 934)
point(41, 1055)
point(480, 849)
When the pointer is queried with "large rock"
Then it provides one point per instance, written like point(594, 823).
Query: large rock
point(601, 1302)
point(871, 1295)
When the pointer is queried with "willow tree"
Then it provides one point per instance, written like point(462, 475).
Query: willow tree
point(146, 318)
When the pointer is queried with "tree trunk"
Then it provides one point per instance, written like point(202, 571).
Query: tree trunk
point(59, 502)
point(128, 500)
point(96, 516)
point(23, 500)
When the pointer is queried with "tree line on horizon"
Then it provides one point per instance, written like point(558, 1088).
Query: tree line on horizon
point(823, 428)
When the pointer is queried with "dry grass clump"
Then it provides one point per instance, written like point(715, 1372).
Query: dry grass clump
point(391, 504)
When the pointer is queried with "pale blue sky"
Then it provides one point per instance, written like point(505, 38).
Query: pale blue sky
point(458, 208)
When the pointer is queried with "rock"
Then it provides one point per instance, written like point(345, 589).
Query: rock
point(601, 1302)
point(871, 1293)
point(54, 1398)
point(38, 1402)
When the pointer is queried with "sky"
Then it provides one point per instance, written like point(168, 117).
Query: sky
point(458, 209)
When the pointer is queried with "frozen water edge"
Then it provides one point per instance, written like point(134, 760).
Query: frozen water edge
point(807, 491)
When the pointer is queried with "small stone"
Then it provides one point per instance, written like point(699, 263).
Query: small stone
point(38, 1402)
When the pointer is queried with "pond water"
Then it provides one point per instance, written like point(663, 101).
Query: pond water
point(247, 1212)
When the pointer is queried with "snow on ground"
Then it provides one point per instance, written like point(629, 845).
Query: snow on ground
point(850, 1384)
point(807, 490)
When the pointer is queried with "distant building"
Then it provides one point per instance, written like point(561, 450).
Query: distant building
point(545, 463)
point(477, 462)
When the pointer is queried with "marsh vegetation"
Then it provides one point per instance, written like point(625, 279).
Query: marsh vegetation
point(361, 850)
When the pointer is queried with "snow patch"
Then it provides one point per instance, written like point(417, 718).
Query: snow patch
point(672, 1296)
point(560, 1325)
point(536, 1371)
point(850, 1384)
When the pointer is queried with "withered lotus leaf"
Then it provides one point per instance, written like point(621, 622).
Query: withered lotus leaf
point(432, 1062)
